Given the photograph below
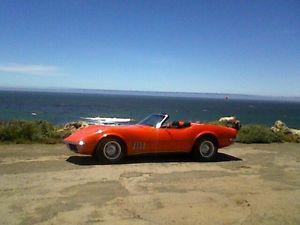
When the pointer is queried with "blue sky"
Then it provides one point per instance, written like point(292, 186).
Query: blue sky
point(248, 47)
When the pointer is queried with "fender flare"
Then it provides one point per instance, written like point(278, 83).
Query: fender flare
point(114, 135)
point(207, 134)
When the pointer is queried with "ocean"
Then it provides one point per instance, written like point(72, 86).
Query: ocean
point(60, 108)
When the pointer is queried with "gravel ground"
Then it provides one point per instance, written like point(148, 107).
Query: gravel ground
point(246, 184)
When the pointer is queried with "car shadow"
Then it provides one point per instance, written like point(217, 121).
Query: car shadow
point(150, 158)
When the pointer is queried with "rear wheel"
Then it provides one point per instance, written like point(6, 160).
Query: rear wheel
point(111, 150)
point(205, 149)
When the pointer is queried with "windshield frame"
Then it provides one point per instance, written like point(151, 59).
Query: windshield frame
point(158, 124)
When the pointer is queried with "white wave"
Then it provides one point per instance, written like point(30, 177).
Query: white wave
point(107, 120)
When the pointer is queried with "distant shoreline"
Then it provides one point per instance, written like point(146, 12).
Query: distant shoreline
point(156, 94)
point(60, 108)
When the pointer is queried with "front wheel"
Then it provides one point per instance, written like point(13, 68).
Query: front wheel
point(205, 149)
point(110, 150)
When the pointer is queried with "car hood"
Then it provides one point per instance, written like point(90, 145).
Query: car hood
point(81, 133)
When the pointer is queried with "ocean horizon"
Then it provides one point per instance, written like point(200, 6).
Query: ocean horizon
point(155, 93)
point(63, 107)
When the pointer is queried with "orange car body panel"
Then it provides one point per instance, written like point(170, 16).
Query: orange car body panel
point(145, 139)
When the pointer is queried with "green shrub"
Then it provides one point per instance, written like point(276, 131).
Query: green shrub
point(20, 131)
point(257, 134)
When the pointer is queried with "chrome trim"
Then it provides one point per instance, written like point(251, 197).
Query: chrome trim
point(158, 125)
point(234, 139)
point(70, 142)
point(206, 149)
point(73, 147)
point(139, 145)
point(78, 147)
point(112, 146)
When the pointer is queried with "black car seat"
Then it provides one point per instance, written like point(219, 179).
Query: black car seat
point(180, 124)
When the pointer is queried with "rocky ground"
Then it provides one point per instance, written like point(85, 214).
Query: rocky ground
point(247, 184)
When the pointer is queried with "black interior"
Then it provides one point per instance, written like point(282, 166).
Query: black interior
point(179, 124)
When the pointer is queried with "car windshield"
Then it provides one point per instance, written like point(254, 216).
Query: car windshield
point(152, 120)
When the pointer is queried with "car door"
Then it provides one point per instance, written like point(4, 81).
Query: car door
point(142, 139)
point(174, 139)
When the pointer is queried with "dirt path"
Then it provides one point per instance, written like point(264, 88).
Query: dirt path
point(248, 184)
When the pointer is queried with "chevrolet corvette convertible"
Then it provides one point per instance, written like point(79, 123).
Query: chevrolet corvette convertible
point(154, 134)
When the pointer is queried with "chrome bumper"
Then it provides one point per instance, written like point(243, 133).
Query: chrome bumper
point(73, 147)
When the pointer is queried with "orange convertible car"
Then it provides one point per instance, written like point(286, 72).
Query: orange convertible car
point(154, 134)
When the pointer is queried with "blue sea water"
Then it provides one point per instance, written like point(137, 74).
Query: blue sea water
point(60, 108)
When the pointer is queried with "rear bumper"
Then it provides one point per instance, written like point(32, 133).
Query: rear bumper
point(226, 142)
point(232, 140)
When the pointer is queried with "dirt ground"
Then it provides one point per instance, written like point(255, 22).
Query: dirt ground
point(247, 184)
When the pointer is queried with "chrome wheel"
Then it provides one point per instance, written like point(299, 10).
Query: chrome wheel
point(112, 150)
point(206, 149)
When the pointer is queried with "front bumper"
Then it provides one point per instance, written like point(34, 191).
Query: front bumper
point(76, 147)
point(82, 146)
point(73, 147)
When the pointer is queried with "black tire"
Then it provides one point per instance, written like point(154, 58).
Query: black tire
point(110, 150)
point(205, 149)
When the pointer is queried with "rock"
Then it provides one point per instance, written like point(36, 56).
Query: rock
point(228, 118)
point(290, 135)
point(76, 124)
point(295, 131)
point(231, 121)
point(71, 127)
point(280, 126)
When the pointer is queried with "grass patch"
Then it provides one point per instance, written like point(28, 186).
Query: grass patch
point(21, 131)
point(257, 134)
